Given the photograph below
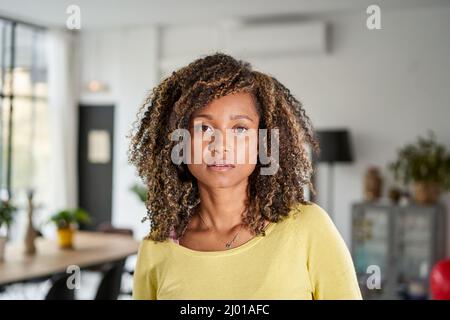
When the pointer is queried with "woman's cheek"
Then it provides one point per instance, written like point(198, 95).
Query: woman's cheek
point(197, 152)
point(251, 150)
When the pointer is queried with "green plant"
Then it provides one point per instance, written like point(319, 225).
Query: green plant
point(65, 218)
point(423, 161)
point(140, 191)
point(6, 213)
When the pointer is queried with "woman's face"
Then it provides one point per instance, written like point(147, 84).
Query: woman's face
point(225, 132)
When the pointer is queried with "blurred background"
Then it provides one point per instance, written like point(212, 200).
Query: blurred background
point(374, 77)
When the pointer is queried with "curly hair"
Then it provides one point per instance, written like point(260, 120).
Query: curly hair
point(172, 190)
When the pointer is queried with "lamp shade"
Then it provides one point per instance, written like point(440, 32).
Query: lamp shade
point(335, 146)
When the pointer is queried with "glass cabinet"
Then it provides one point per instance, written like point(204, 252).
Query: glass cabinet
point(397, 244)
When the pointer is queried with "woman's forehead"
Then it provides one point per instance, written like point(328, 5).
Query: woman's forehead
point(233, 106)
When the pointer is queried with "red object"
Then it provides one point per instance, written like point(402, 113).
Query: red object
point(440, 280)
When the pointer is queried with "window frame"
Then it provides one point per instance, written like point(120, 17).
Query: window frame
point(6, 170)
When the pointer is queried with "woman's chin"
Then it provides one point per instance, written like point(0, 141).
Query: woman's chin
point(214, 179)
point(222, 177)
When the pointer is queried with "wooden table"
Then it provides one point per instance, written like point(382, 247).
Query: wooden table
point(90, 249)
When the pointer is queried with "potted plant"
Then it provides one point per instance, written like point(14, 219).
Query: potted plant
point(6, 216)
point(141, 191)
point(66, 222)
point(426, 164)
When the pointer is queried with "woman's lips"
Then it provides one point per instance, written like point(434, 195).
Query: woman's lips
point(220, 167)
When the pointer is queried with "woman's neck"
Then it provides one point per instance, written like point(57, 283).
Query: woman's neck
point(222, 208)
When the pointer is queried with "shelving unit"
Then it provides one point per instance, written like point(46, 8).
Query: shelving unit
point(404, 242)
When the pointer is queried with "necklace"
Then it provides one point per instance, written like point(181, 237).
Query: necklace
point(227, 244)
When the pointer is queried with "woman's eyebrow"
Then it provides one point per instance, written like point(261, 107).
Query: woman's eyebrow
point(203, 116)
point(232, 117)
point(240, 116)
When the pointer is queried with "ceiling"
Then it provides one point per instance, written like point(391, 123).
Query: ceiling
point(123, 13)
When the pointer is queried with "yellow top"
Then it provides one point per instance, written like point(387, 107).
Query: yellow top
point(301, 257)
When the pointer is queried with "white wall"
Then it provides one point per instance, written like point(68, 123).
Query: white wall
point(387, 86)
point(125, 59)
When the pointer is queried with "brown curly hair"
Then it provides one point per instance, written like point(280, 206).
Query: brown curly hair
point(172, 190)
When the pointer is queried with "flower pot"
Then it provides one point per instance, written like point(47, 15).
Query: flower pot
point(426, 192)
point(65, 237)
point(2, 248)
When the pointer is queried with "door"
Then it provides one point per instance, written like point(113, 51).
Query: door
point(95, 162)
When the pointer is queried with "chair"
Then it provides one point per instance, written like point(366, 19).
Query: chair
point(107, 227)
point(60, 290)
point(110, 285)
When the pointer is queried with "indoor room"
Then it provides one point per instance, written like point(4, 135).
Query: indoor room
point(76, 82)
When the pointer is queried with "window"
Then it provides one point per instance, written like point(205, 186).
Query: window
point(24, 134)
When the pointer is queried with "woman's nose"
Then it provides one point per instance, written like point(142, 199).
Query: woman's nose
point(221, 144)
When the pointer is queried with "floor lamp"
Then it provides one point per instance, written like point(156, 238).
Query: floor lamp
point(335, 148)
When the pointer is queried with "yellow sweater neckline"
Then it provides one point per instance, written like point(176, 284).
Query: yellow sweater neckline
point(250, 243)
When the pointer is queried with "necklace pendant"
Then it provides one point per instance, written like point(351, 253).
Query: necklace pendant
point(228, 245)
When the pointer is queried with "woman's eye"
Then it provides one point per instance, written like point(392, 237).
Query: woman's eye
point(206, 128)
point(240, 129)
point(201, 128)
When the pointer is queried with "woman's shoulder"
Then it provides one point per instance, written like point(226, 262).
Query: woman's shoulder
point(309, 216)
point(314, 227)
point(307, 210)
point(152, 251)
point(150, 244)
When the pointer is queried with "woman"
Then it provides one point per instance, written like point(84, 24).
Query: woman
point(223, 228)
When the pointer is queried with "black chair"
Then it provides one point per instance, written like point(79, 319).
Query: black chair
point(59, 289)
point(107, 227)
point(110, 286)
